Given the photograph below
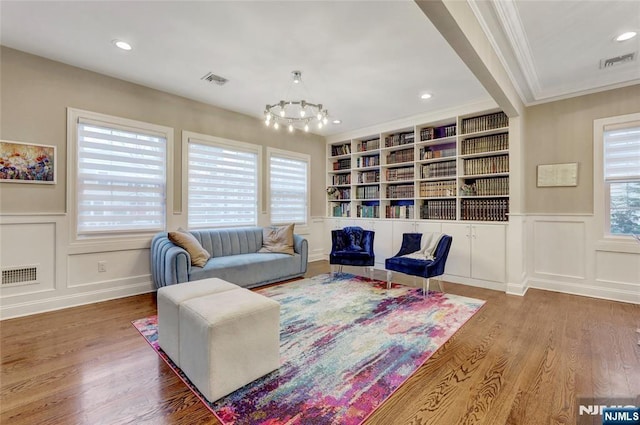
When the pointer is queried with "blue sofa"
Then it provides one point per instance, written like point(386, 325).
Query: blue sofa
point(234, 258)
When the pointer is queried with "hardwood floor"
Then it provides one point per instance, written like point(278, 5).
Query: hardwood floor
point(520, 360)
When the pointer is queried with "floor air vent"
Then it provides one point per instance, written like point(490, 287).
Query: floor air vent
point(618, 60)
point(21, 275)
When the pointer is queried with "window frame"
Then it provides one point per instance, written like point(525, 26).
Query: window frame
point(188, 137)
point(601, 189)
point(298, 157)
point(74, 116)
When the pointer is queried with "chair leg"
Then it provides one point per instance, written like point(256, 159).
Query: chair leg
point(371, 272)
point(440, 285)
point(425, 287)
point(388, 279)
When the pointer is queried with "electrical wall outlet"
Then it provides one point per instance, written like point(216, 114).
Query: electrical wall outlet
point(102, 266)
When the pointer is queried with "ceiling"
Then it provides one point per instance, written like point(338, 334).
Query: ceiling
point(368, 62)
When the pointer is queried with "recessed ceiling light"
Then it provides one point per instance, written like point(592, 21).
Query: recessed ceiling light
point(337, 121)
point(122, 44)
point(626, 36)
point(425, 96)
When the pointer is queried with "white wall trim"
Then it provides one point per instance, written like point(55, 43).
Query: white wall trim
point(72, 300)
point(585, 290)
point(520, 288)
point(487, 284)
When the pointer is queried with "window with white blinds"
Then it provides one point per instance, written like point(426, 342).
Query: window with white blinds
point(222, 184)
point(121, 179)
point(622, 178)
point(288, 187)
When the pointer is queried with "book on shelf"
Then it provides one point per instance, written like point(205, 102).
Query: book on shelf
point(399, 210)
point(338, 150)
point(430, 153)
point(437, 189)
point(438, 169)
point(484, 209)
point(399, 139)
point(340, 179)
point(486, 165)
point(485, 122)
point(439, 210)
point(342, 209)
point(399, 174)
point(494, 142)
point(432, 133)
point(494, 186)
point(368, 192)
point(368, 210)
point(342, 164)
point(372, 176)
point(404, 155)
point(400, 191)
point(369, 145)
point(340, 193)
point(367, 161)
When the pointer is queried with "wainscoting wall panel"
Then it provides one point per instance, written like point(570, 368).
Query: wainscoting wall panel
point(559, 248)
point(567, 256)
point(28, 245)
point(70, 273)
point(618, 268)
point(118, 268)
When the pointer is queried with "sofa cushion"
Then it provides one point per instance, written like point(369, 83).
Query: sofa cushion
point(199, 255)
point(278, 239)
point(231, 241)
point(248, 270)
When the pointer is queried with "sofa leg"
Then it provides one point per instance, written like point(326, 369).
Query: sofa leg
point(388, 279)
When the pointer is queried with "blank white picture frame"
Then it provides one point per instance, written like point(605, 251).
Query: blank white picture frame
point(558, 175)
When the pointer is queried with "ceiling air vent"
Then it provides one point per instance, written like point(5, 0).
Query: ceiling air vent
point(618, 60)
point(213, 78)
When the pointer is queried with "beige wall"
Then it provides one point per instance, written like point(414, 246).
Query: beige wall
point(34, 95)
point(562, 131)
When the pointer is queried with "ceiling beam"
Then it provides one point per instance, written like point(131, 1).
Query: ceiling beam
point(455, 20)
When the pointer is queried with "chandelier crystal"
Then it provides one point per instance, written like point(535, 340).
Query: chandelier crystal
point(293, 114)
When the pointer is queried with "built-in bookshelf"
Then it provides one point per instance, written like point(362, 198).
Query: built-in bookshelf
point(455, 169)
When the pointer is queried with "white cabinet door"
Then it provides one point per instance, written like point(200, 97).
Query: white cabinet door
point(459, 260)
point(428, 227)
point(382, 241)
point(488, 252)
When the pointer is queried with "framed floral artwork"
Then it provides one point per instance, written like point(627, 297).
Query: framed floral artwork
point(27, 163)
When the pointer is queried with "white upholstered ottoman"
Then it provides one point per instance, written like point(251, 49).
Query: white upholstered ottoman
point(228, 340)
point(169, 300)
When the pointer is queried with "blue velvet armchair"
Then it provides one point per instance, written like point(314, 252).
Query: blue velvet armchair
point(352, 246)
point(421, 267)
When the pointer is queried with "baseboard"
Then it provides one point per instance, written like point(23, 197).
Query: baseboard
point(518, 289)
point(487, 284)
point(586, 290)
point(72, 300)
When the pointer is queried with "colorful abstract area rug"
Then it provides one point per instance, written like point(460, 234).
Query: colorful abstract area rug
point(346, 344)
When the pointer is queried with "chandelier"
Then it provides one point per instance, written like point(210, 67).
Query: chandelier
point(295, 113)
